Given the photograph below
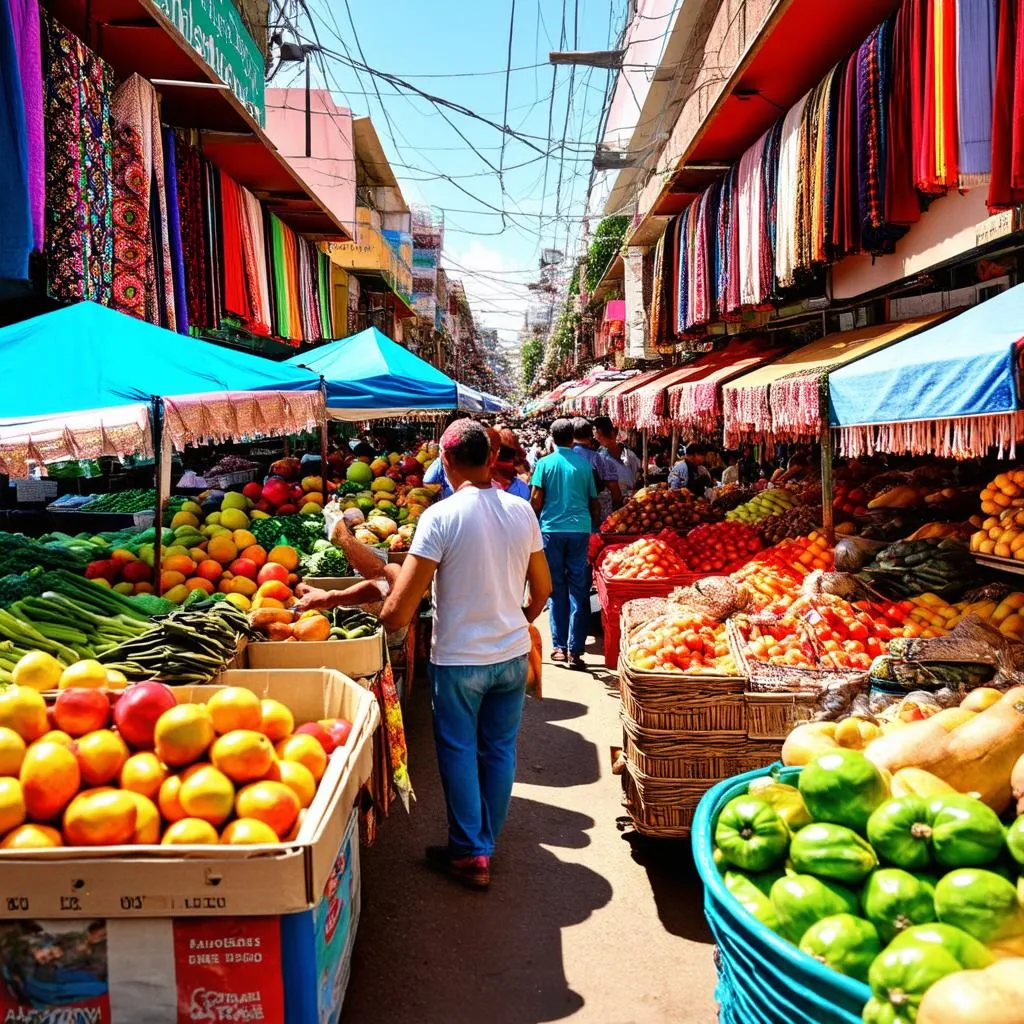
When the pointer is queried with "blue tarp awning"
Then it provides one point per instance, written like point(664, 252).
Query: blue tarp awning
point(471, 400)
point(369, 376)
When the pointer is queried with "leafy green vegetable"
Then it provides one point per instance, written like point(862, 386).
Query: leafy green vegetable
point(298, 531)
point(326, 561)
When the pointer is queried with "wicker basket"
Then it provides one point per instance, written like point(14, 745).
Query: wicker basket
point(662, 808)
point(772, 716)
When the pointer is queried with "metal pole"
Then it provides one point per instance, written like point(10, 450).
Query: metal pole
point(827, 519)
point(644, 437)
point(309, 116)
point(323, 441)
point(157, 427)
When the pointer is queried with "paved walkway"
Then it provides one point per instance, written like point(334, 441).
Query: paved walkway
point(580, 924)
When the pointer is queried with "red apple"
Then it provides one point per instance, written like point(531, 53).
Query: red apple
point(338, 728)
point(320, 734)
point(287, 510)
point(253, 490)
point(78, 711)
point(138, 709)
point(272, 571)
point(244, 567)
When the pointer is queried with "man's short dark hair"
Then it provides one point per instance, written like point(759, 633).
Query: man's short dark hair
point(466, 444)
point(582, 430)
point(603, 425)
point(562, 433)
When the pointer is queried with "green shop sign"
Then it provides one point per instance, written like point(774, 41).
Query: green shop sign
point(215, 30)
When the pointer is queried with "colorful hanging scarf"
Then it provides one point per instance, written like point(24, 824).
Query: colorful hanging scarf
point(788, 199)
point(1006, 189)
point(683, 259)
point(975, 78)
point(245, 276)
point(804, 182)
point(654, 314)
point(79, 191)
point(16, 232)
point(309, 314)
point(174, 230)
point(285, 269)
point(700, 303)
point(143, 283)
point(750, 218)
point(324, 294)
point(214, 246)
point(677, 254)
point(729, 290)
point(901, 201)
point(937, 159)
point(29, 61)
point(845, 220)
point(769, 206)
point(257, 277)
point(188, 174)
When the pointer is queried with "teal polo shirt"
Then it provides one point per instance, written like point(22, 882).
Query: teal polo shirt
point(568, 484)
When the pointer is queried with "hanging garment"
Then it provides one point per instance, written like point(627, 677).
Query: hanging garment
point(901, 201)
point(787, 199)
point(257, 276)
point(937, 164)
point(730, 300)
point(324, 294)
point(285, 272)
point(915, 19)
point(676, 253)
point(750, 222)
point(975, 80)
point(715, 213)
point(830, 153)
point(16, 238)
point(79, 187)
point(188, 174)
point(245, 275)
point(769, 205)
point(700, 301)
point(143, 283)
point(804, 180)
point(310, 318)
point(174, 231)
point(845, 217)
point(655, 313)
point(683, 260)
point(26, 25)
point(1007, 113)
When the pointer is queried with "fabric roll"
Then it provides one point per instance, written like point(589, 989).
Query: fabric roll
point(28, 44)
point(975, 81)
point(769, 203)
point(845, 219)
point(192, 229)
point(16, 230)
point(237, 300)
point(324, 295)
point(901, 201)
point(750, 222)
point(654, 317)
point(787, 199)
point(257, 276)
point(174, 231)
point(1007, 98)
point(937, 165)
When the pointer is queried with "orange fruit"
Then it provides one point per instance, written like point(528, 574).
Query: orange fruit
point(273, 803)
point(198, 583)
point(143, 774)
point(101, 817)
point(183, 734)
point(12, 751)
point(167, 799)
point(307, 751)
point(12, 805)
point(101, 756)
point(57, 736)
point(207, 794)
point(179, 563)
point(24, 711)
point(210, 569)
point(234, 707)
point(256, 554)
point(277, 721)
point(31, 837)
point(190, 832)
point(274, 590)
point(147, 820)
point(284, 555)
point(248, 832)
point(243, 755)
point(222, 549)
point(143, 588)
point(169, 580)
point(244, 539)
point(224, 586)
point(297, 777)
point(50, 777)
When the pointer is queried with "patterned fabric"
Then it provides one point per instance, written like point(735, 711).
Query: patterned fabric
point(174, 231)
point(192, 228)
point(750, 222)
point(937, 161)
point(26, 25)
point(846, 217)
point(79, 188)
point(787, 210)
point(655, 312)
point(16, 237)
point(769, 203)
point(285, 276)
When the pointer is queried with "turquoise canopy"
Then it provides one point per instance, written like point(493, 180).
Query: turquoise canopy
point(369, 376)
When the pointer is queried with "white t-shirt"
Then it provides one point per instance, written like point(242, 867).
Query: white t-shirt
point(482, 539)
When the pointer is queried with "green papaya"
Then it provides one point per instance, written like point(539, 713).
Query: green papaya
point(981, 903)
point(900, 830)
point(899, 979)
point(764, 880)
point(833, 852)
point(842, 787)
point(894, 900)
point(754, 901)
point(965, 832)
point(1015, 840)
point(802, 900)
point(784, 798)
point(843, 942)
point(751, 835)
point(971, 954)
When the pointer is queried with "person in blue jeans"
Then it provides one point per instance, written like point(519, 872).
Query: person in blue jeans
point(482, 550)
point(564, 496)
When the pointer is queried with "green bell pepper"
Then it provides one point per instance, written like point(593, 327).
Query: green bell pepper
point(751, 834)
point(971, 954)
point(1015, 840)
point(833, 852)
point(900, 830)
point(965, 832)
point(899, 979)
point(842, 787)
point(843, 942)
point(754, 901)
point(981, 903)
point(801, 901)
point(895, 900)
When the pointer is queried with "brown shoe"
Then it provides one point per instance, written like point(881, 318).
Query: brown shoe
point(558, 655)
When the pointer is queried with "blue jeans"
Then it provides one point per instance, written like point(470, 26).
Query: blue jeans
point(477, 710)
point(570, 589)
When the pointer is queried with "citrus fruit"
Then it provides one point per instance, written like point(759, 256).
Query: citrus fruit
point(31, 837)
point(57, 736)
point(87, 673)
point(167, 799)
point(198, 583)
point(207, 794)
point(12, 805)
point(247, 832)
point(182, 734)
point(255, 554)
point(143, 774)
point(50, 777)
point(179, 563)
point(38, 671)
point(306, 750)
point(277, 721)
point(12, 751)
point(78, 711)
point(243, 755)
point(147, 820)
point(188, 832)
point(297, 777)
point(284, 555)
point(210, 569)
point(101, 756)
point(222, 548)
point(100, 817)
point(244, 539)
point(273, 803)
point(24, 711)
point(234, 707)
point(240, 601)
point(118, 680)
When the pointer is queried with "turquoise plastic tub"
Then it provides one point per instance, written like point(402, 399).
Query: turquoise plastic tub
point(762, 978)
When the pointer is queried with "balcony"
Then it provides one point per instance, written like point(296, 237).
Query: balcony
point(384, 255)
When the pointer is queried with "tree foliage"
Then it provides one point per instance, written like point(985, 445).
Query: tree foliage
point(608, 239)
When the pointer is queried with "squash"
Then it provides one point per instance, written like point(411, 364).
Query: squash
point(263, 617)
point(918, 782)
point(314, 628)
point(1017, 783)
point(919, 744)
point(281, 631)
point(807, 741)
point(994, 995)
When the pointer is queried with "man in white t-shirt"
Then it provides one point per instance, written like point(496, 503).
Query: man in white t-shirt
point(482, 549)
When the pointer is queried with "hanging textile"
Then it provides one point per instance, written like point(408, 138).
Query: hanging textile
point(143, 283)
point(308, 312)
point(285, 268)
point(769, 204)
point(717, 258)
point(174, 231)
point(257, 276)
point(787, 198)
point(823, 153)
point(750, 222)
point(729, 300)
point(324, 294)
point(79, 188)
point(845, 218)
point(700, 298)
point(937, 158)
point(1007, 151)
point(804, 183)
point(29, 62)
point(901, 201)
point(676, 252)
point(245, 275)
point(633, 293)
point(214, 246)
point(975, 78)
point(16, 238)
point(655, 314)
point(188, 177)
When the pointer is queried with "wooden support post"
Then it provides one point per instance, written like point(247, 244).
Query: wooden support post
point(324, 423)
point(827, 519)
point(161, 480)
point(644, 449)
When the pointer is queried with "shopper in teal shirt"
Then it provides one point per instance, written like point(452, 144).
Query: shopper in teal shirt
point(564, 495)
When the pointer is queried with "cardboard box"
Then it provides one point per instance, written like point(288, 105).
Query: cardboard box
point(354, 658)
point(183, 881)
point(332, 582)
point(289, 969)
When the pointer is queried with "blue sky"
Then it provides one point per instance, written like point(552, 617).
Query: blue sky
point(457, 50)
